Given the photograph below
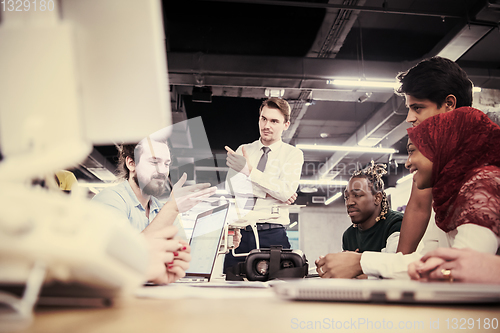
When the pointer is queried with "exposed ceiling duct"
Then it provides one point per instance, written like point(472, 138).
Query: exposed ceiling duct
point(334, 30)
point(309, 43)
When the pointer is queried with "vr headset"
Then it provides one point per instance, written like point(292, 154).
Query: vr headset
point(273, 263)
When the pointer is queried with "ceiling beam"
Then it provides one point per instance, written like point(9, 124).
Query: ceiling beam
point(372, 124)
point(196, 69)
point(463, 41)
point(299, 109)
point(381, 9)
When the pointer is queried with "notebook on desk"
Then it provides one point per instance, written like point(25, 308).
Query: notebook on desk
point(205, 239)
point(387, 291)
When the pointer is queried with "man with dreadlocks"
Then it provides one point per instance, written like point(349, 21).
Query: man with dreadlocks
point(375, 227)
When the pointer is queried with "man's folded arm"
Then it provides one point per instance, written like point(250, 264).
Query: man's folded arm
point(283, 187)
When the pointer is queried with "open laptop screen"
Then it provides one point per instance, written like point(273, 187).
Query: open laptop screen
point(207, 232)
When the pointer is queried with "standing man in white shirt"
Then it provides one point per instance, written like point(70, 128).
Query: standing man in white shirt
point(266, 172)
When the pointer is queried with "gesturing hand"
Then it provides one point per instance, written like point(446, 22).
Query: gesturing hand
point(238, 163)
point(186, 197)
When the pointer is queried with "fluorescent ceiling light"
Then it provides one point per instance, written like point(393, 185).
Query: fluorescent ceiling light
point(347, 148)
point(364, 83)
point(308, 189)
point(323, 182)
point(476, 89)
point(332, 199)
point(405, 178)
point(273, 92)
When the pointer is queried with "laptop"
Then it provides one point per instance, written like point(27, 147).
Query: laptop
point(387, 291)
point(205, 240)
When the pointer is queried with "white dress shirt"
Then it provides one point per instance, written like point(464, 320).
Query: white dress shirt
point(272, 187)
point(391, 245)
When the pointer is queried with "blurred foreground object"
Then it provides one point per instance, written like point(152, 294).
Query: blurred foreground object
point(74, 74)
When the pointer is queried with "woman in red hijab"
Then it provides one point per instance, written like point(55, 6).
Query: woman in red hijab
point(457, 153)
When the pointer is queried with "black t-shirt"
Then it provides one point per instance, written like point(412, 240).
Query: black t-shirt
point(375, 238)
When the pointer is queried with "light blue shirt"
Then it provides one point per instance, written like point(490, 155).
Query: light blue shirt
point(122, 198)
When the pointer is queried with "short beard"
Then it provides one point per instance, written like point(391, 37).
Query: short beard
point(151, 188)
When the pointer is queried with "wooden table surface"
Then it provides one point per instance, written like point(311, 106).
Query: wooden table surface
point(266, 314)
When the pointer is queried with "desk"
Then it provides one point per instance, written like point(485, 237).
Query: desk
point(274, 315)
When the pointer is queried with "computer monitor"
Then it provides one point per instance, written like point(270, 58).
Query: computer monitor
point(79, 73)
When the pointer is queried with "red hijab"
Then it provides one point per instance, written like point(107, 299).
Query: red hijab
point(464, 147)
